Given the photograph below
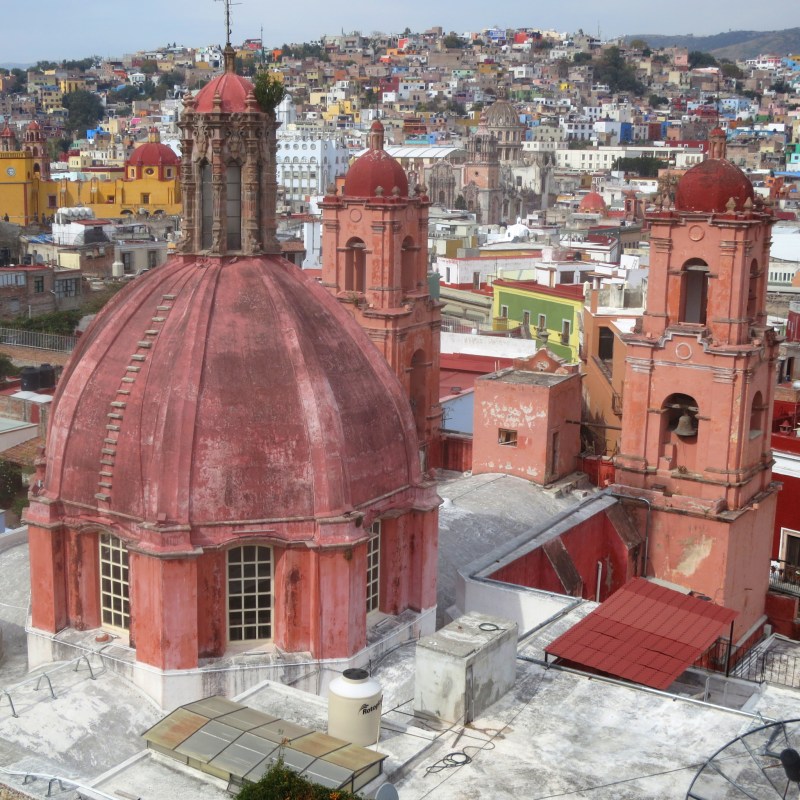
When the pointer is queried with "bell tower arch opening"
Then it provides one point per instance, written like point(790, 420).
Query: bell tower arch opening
point(679, 431)
point(408, 258)
point(694, 292)
point(418, 391)
point(355, 266)
point(233, 205)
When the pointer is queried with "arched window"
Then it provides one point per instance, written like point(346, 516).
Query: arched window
point(114, 583)
point(694, 291)
point(355, 266)
point(233, 204)
point(250, 593)
point(206, 206)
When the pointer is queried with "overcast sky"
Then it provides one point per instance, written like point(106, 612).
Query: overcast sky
point(53, 30)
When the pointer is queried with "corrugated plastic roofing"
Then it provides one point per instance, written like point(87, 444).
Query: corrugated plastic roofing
point(239, 744)
point(644, 633)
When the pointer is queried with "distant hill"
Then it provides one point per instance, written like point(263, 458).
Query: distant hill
point(732, 45)
point(14, 65)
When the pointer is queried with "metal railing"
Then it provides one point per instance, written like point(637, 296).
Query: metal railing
point(754, 664)
point(37, 340)
point(784, 577)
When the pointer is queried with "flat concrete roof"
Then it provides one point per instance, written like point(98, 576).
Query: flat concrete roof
point(527, 377)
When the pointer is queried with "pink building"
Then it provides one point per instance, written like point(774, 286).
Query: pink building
point(525, 423)
point(375, 263)
point(231, 464)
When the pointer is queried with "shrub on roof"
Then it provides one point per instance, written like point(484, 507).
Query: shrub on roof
point(281, 783)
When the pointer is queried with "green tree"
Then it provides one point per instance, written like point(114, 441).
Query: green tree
point(269, 91)
point(611, 68)
point(282, 783)
point(639, 44)
point(644, 166)
point(57, 148)
point(7, 368)
point(453, 42)
point(21, 81)
point(60, 322)
point(730, 70)
point(81, 64)
point(460, 203)
point(127, 94)
point(656, 100)
point(582, 58)
point(697, 58)
point(781, 87)
point(10, 482)
point(149, 67)
point(84, 108)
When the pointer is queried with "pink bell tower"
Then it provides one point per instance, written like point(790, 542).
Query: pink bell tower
point(375, 262)
point(697, 408)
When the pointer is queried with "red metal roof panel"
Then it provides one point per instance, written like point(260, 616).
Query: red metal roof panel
point(644, 633)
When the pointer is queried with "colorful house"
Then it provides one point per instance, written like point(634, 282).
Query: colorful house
point(552, 314)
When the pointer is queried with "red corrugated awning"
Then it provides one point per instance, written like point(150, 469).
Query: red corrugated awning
point(644, 633)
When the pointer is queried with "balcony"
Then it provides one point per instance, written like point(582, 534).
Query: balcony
point(784, 577)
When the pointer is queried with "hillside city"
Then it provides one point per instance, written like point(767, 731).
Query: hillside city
point(404, 415)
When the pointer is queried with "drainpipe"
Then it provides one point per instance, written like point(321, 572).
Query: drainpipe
point(646, 523)
point(599, 578)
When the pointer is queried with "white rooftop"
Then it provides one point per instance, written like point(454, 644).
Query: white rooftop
point(557, 733)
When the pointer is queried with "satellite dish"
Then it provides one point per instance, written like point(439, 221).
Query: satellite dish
point(763, 763)
point(387, 792)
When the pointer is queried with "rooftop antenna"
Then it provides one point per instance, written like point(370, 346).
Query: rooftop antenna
point(229, 54)
point(228, 5)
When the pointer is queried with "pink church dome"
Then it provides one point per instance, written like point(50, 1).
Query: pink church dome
point(593, 203)
point(709, 186)
point(152, 154)
point(232, 90)
point(375, 168)
point(221, 391)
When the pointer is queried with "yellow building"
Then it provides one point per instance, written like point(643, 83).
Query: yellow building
point(149, 182)
point(553, 314)
point(68, 85)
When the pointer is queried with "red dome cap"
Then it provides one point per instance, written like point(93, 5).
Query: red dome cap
point(232, 89)
point(248, 393)
point(7, 133)
point(376, 168)
point(593, 203)
point(153, 154)
point(709, 186)
point(34, 126)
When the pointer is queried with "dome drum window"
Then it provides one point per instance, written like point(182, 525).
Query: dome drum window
point(114, 583)
point(249, 580)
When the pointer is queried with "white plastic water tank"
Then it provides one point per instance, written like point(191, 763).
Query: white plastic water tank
point(354, 707)
point(117, 269)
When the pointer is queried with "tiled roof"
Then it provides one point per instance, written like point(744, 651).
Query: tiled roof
point(644, 633)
